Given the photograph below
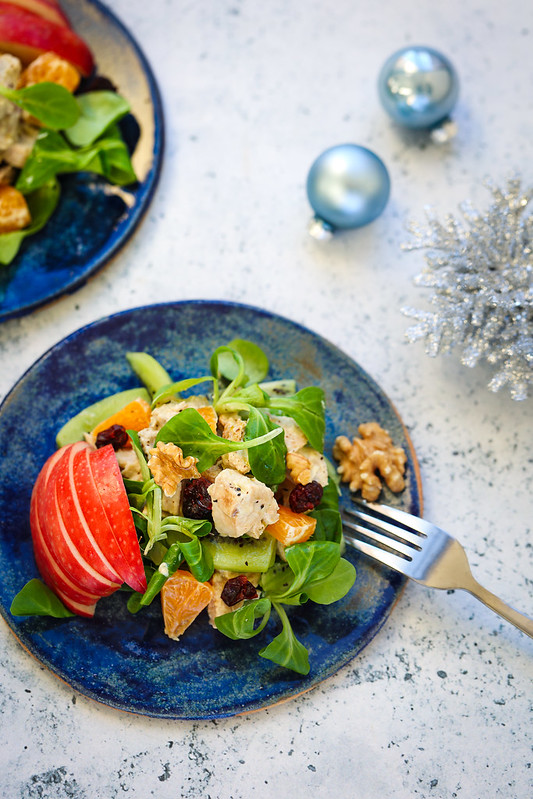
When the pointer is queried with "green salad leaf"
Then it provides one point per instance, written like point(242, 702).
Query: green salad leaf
point(189, 431)
point(98, 110)
point(52, 155)
point(326, 513)
point(255, 364)
point(51, 104)
point(334, 586)
point(241, 623)
point(172, 561)
point(307, 408)
point(285, 649)
point(36, 599)
point(267, 461)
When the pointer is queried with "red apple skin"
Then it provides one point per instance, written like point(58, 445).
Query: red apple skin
point(80, 519)
point(27, 35)
point(63, 543)
point(45, 9)
point(77, 600)
point(81, 530)
point(131, 572)
point(110, 486)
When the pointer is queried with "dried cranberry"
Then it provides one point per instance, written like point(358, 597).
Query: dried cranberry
point(305, 497)
point(97, 83)
point(237, 589)
point(115, 435)
point(195, 500)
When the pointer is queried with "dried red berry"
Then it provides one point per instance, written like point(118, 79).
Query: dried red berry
point(236, 589)
point(195, 500)
point(305, 497)
point(115, 435)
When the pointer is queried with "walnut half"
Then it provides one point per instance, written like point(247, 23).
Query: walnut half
point(169, 467)
point(361, 458)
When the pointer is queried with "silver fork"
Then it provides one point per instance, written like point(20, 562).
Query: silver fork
point(421, 551)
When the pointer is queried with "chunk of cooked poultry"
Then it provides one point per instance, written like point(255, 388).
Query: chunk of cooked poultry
point(242, 505)
point(9, 113)
point(233, 429)
point(295, 438)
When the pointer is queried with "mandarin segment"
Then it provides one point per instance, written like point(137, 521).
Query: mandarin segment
point(50, 67)
point(133, 416)
point(183, 597)
point(14, 211)
point(292, 528)
point(208, 413)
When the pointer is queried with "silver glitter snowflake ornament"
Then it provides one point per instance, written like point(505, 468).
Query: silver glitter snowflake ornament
point(482, 277)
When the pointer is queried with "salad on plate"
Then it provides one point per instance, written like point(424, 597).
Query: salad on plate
point(56, 117)
point(209, 495)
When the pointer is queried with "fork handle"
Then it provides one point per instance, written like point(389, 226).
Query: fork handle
point(508, 613)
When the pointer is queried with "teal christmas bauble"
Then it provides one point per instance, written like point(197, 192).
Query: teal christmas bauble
point(348, 186)
point(418, 87)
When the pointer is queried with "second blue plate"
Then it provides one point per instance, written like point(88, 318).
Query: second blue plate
point(93, 220)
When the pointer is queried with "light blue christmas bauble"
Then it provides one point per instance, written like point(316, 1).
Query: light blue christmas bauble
point(348, 186)
point(418, 87)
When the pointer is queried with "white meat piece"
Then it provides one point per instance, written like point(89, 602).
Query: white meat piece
point(233, 429)
point(19, 151)
point(10, 68)
point(129, 464)
point(241, 505)
point(162, 414)
point(236, 460)
point(172, 505)
point(295, 439)
point(319, 468)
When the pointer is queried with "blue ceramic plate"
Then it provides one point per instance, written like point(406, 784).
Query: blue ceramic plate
point(93, 220)
point(126, 661)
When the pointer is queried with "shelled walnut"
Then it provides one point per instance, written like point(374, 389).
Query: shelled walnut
point(169, 467)
point(361, 458)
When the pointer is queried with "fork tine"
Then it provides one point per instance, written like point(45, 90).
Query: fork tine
point(387, 558)
point(411, 523)
point(403, 549)
point(400, 534)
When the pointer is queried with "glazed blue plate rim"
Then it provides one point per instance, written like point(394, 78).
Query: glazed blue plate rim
point(278, 685)
point(132, 217)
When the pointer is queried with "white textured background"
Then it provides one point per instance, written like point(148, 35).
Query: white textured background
point(439, 705)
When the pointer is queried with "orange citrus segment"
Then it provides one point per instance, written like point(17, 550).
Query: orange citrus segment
point(50, 67)
point(292, 528)
point(133, 416)
point(182, 599)
point(210, 415)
